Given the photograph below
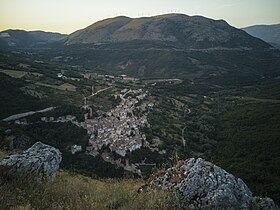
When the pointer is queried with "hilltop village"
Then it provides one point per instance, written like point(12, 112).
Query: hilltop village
point(120, 127)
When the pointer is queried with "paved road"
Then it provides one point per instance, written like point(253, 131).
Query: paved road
point(94, 94)
point(99, 91)
point(122, 97)
point(25, 114)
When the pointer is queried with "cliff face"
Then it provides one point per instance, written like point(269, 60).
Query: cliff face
point(207, 186)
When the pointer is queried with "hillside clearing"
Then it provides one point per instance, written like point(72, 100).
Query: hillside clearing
point(65, 86)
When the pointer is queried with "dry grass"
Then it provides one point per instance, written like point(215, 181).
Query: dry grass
point(79, 192)
point(67, 86)
point(3, 154)
point(89, 75)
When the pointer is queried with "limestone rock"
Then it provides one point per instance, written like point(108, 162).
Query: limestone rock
point(41, 161)
point(264, 204)
point(205, 186)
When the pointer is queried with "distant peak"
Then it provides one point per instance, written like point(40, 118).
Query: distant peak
point(121, 17)
point(171, 15)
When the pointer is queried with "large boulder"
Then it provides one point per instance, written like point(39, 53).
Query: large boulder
point(205, 186)
point(40, 161)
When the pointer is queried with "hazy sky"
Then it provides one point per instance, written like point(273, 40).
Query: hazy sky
point(67, 16)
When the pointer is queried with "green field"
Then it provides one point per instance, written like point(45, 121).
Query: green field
point(20, 74)
point(14, 74)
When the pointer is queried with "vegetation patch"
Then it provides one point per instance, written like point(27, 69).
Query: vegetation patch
point(248, 145)
point(13, 100)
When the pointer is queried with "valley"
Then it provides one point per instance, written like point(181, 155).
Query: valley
point(182, 118)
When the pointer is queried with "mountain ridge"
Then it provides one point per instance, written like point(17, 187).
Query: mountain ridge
point(26, 39)
point(165, 46)
point(177, 29)
point(268, 33)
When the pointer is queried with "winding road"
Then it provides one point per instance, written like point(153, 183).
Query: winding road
point(25, 114)
point(183, 130)
point(99, 91)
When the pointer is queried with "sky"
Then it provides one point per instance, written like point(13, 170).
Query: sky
point(67, 16)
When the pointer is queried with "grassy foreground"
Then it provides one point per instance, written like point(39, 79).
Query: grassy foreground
point(72, 191)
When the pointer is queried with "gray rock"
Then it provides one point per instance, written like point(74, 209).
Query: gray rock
point(40, 161)
point(264, 204)
point(206, 186)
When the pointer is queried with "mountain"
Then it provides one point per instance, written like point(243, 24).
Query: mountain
point(268, 33)
point(176, 29)
point(169, 46)
point(47, 36)
point(165, 46)
point(28, 39)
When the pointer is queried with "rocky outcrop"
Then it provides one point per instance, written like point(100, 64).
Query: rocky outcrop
point(207, 186)
point(264, 204)
point(40, 161)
